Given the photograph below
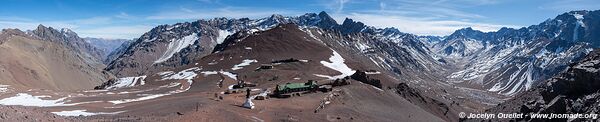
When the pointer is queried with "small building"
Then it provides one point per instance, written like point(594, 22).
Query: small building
point(296, 87)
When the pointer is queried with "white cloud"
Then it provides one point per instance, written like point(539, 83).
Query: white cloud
point(382, 6)
point(341, 5)
point(100, 27)
point(92, 21)
point(29, 25)
point(123, 15)
point(420, 26)
point(115, 32)
point(570, 5)
point(186, 10)
point(423, 17)
point(229, 12)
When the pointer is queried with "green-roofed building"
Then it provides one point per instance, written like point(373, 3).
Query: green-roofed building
point(296, 87)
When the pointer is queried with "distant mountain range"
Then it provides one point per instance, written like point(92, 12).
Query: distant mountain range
point(509, 61)
point(107, 45)
point(436, 77)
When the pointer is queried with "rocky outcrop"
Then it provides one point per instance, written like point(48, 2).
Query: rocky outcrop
point(362, 77)
point(71, 40)
point(432, 105)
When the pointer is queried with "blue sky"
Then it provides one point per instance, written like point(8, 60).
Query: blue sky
point(132, 18)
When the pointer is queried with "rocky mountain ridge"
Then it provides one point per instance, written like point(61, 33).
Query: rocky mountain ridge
point(509, 61)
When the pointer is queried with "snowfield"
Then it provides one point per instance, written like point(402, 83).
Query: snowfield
point(82, 113)
point(229, 74)
point(127, 82)
point(336, 62)
point(244, 63)
point(138, 99)
point(24, 99)
point(222, 35)
point(176, 46)
point(207, 73)
point(187, 74)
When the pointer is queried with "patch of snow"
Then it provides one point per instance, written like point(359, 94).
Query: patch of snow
point(579, 18)
point(362, 47)
point(578, 24)
point(95, 91)
point(185, 74)
point(127, 82)
point(222, 35)
point(336, 62)
point(114, 107)
point(253, 30)
point(245, 62)
point(497, 87)
point(4, 88)
point(153, 96)
point(207, 73)
point(372, 73)
point(150, 40)
point(230, 87)
point(176, 46)
point(165, 73)
point(138, 99)
point(377, 88)
point(229, 74)
point(82, 113)
point(24, 99)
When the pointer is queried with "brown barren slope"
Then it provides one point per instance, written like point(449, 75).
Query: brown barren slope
point(31, 63)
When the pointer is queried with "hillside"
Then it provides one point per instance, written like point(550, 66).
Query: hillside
point(33, 62)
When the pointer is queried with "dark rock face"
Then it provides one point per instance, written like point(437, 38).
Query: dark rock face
point(362, 77)
point(435, 106)
point(105, 84)
point(351, 26)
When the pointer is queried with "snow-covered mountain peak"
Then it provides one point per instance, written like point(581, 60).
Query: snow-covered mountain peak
point(509, 61)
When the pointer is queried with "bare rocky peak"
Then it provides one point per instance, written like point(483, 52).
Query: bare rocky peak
point(70, 40)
